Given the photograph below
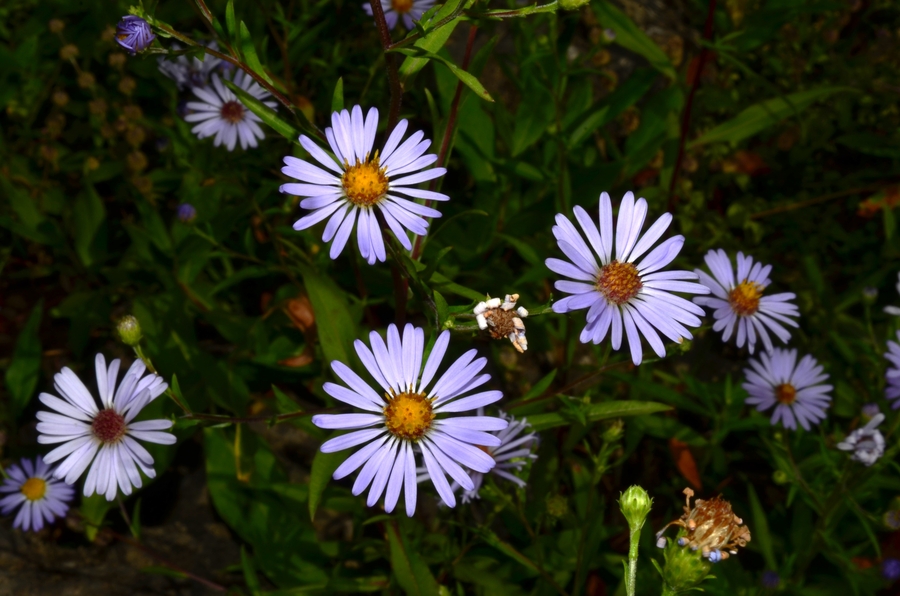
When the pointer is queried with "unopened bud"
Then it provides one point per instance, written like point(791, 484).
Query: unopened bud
point(56, 26)
point(557, 506)
point(635, 505)
point(68, 51)
point(129, 330)
point(684, 568)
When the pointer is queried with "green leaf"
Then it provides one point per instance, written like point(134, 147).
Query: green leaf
point(249, 52)
point(93, 511)
point(443, 309)
point(25, 367)
point(533, 117)
point(762, 538)
point(468, 79)
point(323, 466)
point(433, 41)
point(625, 96)
point(88, 217)
point(596, 412)
point(412, 574)
point(265, 113)
point(630, 37)
point(507, 549)
point(758, 117)
point(247, 566)
point(337, 98)
point(336, 328)
point(230, 23)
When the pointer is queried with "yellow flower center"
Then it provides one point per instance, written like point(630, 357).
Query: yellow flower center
point(744, 298)
point(364, 183)
point(786, 394)
point(402, 6)
point(409, 416)
point(34, 489)
point(619, 282)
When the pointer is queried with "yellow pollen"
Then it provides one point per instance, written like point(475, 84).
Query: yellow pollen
point(364, 183)
point(744, 298)
point(619, 282)
point(34, 489)
point(408, 416)
point(785, 393)
point(402, 6)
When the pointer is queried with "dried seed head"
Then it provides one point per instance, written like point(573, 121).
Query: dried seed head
point(711, 527)
point(503, 319)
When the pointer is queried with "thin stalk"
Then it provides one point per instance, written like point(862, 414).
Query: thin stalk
point(390, 61)
point(631, 577)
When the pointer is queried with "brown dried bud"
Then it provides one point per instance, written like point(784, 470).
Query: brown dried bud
point(601, 58)
point(135, 135)
point(60, 98)
point(117, 59)
point(712, 527)
point(143, 184)
point(56, 26)
point(97, 106)
point(91, 164)
point(631, 120)
point(127, 85)
point(300, 311)
point(68, 51)
point(136, 161)
point(132, 112)
point(86, 80)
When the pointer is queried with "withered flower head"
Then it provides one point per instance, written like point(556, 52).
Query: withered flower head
point(503, 320)
point(711, 526)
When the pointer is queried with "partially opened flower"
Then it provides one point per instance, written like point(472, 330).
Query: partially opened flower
point(892, 391)
point(107, 432)
point(222, 114)
point(134, 34)
point(32, 489)
point(407, 10)
point(866, 443)
point(622, 293)
point(740, 303)
point(358, 180)
point(189, 72)
point(796, 390)
point(410, 416)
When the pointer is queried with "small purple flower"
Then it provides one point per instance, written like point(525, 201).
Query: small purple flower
point(892, 391)
point(770, 580)
point(870, 410)
point(32, 489)
point(134, 34)
point(776, 379)
point(408, 11)
point(890, 569)
point(186, 212)
point(866, 443)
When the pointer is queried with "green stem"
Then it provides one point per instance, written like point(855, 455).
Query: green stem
point(667, 590)
point(631, 576)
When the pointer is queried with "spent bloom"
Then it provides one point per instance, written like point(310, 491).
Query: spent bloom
point(710, 526)
point(221, 113)
point(189, 72)
point(408, 417)
point(108, 432)
point(619, 293)
point(134, 34)
point(513, 453)
point(503, 320)
point(39, 497)
point(866, 443)
point(796, 390)
point(892, 391)
point(359, 180)
point(739, 302)
point(407, 10)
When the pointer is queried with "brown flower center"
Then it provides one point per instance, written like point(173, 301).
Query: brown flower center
point(34, 489)
point(786, 394)
point(402, 6)
point(408, 416)
point(619, 282)
point(232, 111)
point(744, 298)
point(108, 426)
point(364, 183)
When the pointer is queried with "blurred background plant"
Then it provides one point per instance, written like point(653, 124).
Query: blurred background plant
point(764, 126)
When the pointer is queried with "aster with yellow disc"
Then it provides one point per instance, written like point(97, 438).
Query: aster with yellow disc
point(38, 496)
point(740, 303)
point(626, 292)
point(796, 390)
point(409, 418)
point(408, 11)
point(359, 179)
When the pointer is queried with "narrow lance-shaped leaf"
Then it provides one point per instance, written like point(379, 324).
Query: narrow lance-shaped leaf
point(412, 573)
point(249, 52)
point(601, 411)
point(25, 367)
point(433, 40)
point(265, 113)
point(323, 466)
point(630, 37)
point(468, 79)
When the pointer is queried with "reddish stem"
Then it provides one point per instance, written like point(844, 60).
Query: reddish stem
point(391, 63)
point(686, 116)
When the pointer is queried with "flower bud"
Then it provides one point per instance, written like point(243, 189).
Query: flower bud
point(557, 506)
point(684, 568)
point(129, 330)
point(56, 26)
point(68, 52)
point(635, 506)
point(134, 34)
point(186, 213)
point(60, 98)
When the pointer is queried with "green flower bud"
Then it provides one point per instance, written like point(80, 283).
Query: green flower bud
point(613, 432)
point(129, 330)
point(684, 568)
point(780, 477)
point(557, 506)
point(572, 4)
point(635, 506)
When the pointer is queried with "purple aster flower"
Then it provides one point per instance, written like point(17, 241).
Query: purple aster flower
point(189, 72)
point(892, 391)
point(221, 113)
point(408, 417)
point(134, 34)
point(619, 293)
point(866, 443)
point(870, 410)
point(890, 569)
point(108, 432)
point(770, 580)
point(794, 389)
point(360, 180)
point(186, 212)
point(408, 10)
point(40, 497)
point(742, 304)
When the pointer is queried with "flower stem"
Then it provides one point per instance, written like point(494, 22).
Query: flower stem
point(390, 61)
point(631, 576)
